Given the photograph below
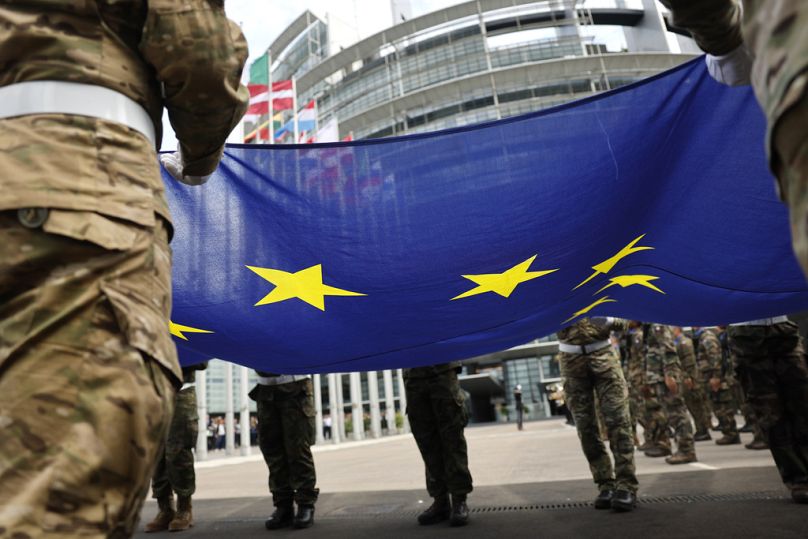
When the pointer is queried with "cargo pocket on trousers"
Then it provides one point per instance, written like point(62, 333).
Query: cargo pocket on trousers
point(89, 226)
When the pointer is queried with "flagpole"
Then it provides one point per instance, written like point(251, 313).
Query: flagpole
point(294, 107)
point(271, 126)
point(316, 121)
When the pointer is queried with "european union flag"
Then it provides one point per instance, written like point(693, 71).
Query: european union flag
point(651, 202)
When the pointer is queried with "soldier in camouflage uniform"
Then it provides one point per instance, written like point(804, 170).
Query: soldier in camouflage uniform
point(591, 370)
point(175, 464)
point(635, 377)
point(663, 374)
point(286, 432)
point(437, 413)
point(739, 400)
point(774, 374)
point(88, 370)
point(768, 37)
point(691, 380)
point(714, 382)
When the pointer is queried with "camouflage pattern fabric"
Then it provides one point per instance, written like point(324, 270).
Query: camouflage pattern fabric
point(709, 361)
point(695, 400)
point(175, 465)
point(774, 31)
point(598, 375)
point(85, 394)
point(662, 362)
point(773, 371)
point(437, 413)
point(189, 52)
point(657, 432)
point(636, 382)
point(286, 432)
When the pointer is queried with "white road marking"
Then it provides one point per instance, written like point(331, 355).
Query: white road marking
point(703, 466)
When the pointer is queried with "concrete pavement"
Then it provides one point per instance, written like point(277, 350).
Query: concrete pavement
point(532, 483)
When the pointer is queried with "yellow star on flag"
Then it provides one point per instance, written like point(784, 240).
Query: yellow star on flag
point(624, 281)
point(177, 330)
point(503, 283)
point(601, 301)
point(608, 265)
point(306, 285)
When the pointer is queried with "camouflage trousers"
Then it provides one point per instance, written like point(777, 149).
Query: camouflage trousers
point(697, 405)
point(286, 432)
point(175, 464)
point(637, 409)
point(723, 405)
point(774, 375)
point(437, 413)
point(790, 141)
point(84, 407)
point(592, 377)
point(678, 420)
point(656, 432)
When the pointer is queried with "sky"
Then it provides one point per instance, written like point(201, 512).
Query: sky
point(262, 21)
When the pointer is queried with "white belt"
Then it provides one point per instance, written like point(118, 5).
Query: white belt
point(59, 97)
point(282, 379)
point(584, 349)
point(763, 321)
point(187, 385)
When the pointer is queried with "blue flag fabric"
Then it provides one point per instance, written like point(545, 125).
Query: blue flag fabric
point(651, 202)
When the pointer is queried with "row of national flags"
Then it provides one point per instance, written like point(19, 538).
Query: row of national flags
point(273, 110)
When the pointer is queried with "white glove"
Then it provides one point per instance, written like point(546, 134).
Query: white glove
point(172, 162)
point(733, 68)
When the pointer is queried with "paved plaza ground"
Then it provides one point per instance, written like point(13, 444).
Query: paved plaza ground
point(533, 483)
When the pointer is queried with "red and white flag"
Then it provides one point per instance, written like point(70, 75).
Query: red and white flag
point(282, 97)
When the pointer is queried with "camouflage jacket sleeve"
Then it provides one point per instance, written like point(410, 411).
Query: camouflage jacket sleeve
point(711, 348)
point(198, 55)
point(715, 24)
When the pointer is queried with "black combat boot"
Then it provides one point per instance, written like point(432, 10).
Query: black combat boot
point(281, 518)
point(729, 439)
point(757, 444)
point(799, 493)
point(460, 511)
point(604, 499)
point(305, 516)
point(657, 451)
point(437, 512)
point(624, 500)
point(702, 436)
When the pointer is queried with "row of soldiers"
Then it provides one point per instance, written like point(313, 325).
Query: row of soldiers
point(667, 369)
point(699, 378)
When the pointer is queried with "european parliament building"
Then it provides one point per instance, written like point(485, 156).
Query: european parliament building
point(473, 62)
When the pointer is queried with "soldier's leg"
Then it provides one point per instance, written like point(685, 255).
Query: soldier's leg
point(448, 407)
point(658, 432)
point(181, 442)
point(612, 393)
point(679, 421)
point(84, 408)
point(426, 432)
point(270, 441)
point(697, 405)
point(775, 379)
point(298, 437)
point(161, 486)
point(790, 160)
point(580, 392)
point(724, 408)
